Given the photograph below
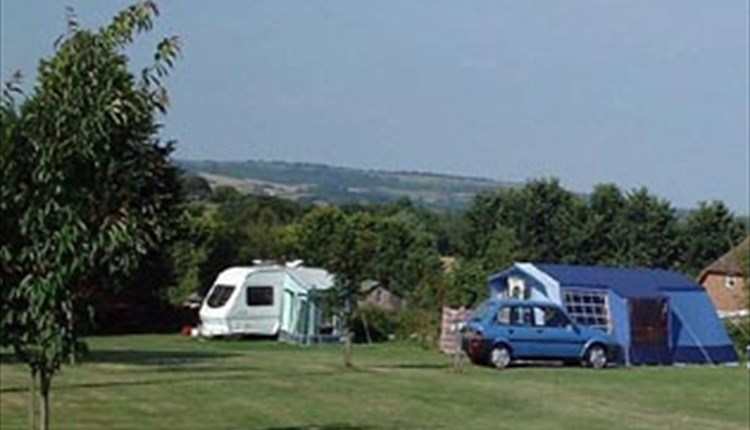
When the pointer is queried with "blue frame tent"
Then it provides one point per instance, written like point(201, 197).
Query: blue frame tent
point(657, 316)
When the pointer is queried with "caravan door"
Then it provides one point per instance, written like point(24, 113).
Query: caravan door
point(258, 310)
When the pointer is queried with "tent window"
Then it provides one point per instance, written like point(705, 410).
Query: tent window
point(219, 296)
point(589, 308)
point(259, 296)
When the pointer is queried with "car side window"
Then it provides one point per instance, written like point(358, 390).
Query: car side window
point(522, 316)
point(550, 317)
point(503, 316)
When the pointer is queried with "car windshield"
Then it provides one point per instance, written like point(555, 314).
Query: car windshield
point(480, 311)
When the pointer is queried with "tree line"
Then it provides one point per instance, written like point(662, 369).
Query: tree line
point(433, 258)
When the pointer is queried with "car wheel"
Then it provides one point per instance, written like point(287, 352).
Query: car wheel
point(596, 357)
point(500, 357)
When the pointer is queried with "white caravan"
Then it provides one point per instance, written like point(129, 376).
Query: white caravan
point(270, 300)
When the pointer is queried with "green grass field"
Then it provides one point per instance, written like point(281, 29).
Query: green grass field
point(171, 382)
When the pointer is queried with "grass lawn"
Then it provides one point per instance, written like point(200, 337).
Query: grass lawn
point(171, 382)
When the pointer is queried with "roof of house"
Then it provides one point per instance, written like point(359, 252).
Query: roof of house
point(369, 285)
point(627, 282)
point(729, 263)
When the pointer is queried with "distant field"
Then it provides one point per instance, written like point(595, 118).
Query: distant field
point(170, 382)
point(341, 185)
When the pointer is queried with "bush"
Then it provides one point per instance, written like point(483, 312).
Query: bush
point(373, 324)
point(739, 331)
point(420, 325)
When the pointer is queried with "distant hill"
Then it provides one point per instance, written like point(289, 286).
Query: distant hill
point(308, 182)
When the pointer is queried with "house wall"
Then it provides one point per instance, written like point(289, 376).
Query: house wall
point(725, 299)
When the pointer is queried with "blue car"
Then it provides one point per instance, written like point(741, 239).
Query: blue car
point(501, 331)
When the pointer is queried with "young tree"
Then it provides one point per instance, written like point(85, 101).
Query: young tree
point(87, 188)
point(745, 264)
point(344, 245)
point(394, 250)
point(466, 283)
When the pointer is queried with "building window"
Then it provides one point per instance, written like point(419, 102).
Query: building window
point(259, 296)
point(730, 282)
point(219, 296)
point(590, 308)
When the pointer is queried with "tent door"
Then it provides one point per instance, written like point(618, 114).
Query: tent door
point(649, 330)
point(287, 312)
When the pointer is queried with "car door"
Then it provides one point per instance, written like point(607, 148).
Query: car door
point(523, 336)
point(557, 336)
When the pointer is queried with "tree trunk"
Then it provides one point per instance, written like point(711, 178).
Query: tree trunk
point(73, 356)
point(349, 311)
point(348, 349)
point(45, 381)
point(32, 402)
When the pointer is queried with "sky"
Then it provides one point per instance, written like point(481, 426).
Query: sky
point(647, 93)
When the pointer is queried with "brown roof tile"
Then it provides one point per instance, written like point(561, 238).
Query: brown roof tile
point(729, 263)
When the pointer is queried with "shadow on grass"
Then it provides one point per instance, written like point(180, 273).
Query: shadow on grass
point(132, 383)
point(179, 376)
point(138, 357)
point(152, 358)
point(329, 427)
point(416, 366)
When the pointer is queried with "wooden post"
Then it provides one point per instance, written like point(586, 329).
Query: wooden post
point(458, 354)
point(348, 349)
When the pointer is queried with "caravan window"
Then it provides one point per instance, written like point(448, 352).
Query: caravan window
point(219, 296)
point(259, 296)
